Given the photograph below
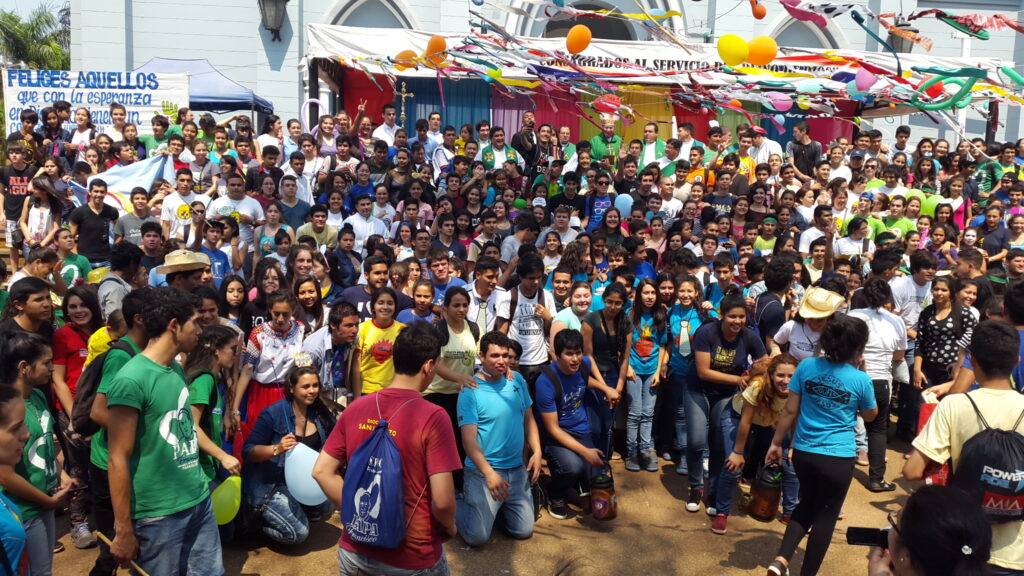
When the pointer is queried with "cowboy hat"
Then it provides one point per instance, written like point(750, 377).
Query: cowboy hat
point(820, 303)
point(183, 261)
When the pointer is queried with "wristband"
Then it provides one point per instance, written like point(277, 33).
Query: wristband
point(277, 448)
point(738, 453)
point(236, 413)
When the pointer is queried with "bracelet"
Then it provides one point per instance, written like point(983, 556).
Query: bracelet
point(276, 449)
point(236, 413)
point(738, 453)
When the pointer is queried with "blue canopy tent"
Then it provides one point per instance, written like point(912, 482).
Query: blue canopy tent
point(208, 89)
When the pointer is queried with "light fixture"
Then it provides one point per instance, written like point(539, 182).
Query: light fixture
point(272, 14)
point(900, 44)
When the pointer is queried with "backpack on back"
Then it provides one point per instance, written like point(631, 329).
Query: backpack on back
point(373, 497)
point(85, 391)
point(991, 469)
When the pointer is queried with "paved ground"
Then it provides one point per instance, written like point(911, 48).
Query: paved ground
point(653, 535)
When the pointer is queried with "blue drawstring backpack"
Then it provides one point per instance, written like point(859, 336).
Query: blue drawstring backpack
point(373, 497)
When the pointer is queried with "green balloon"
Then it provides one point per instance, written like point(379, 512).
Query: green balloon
point(519, 204)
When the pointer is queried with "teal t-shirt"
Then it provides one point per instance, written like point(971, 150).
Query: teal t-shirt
point(647, 343)
point(831, 396)
point(39, 460)
point(497, 409)
point(74, 268)
point(115, 360)
point(166, 453)
point(682, 323)
point(200, 391)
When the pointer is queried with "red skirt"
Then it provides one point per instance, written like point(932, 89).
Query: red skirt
point(258, 397)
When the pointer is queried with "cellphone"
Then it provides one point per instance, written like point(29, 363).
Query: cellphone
point(867, 537)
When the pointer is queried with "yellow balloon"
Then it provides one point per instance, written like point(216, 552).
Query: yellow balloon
point(733, 50)
point(226, 500)
point(96, 276)
point(763, 50)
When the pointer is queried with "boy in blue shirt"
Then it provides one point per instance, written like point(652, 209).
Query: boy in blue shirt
point(572, 457)
point(495, 422)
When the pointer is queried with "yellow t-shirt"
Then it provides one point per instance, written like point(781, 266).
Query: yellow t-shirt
point(953, 423)
point(99, 343)
point(459, 356)
point(761, 417)
point(375, 348)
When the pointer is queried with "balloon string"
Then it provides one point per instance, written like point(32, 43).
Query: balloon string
point(859, 19)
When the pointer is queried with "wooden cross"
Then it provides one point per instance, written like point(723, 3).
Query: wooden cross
point(403, 95)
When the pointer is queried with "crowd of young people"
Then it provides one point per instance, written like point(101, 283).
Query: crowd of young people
point(695, 309)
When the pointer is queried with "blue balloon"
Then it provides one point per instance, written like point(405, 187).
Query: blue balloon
point(780, 118)
point(559, 3)
point(478, 2)
point(298, 475)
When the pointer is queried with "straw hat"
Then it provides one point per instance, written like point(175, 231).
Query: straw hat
point(183, 261)
point(820, 303)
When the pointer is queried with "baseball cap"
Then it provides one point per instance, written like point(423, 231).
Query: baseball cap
point(857, 154)
point(868, 195)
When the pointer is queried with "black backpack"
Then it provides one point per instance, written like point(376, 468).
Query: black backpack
point(991, 469)
point(442, 331)
point(85, 391)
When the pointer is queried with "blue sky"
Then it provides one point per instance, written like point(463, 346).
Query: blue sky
point(23, 7)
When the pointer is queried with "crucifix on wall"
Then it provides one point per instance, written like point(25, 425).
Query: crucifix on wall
point(403, 95)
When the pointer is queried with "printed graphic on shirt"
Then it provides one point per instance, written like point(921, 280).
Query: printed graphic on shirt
point(723, 360)
point(381, 351)
point(178, 429)
point(827, 391)
point(40, 453)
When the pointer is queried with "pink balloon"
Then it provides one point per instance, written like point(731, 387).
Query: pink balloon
point(864, 80)
point(780, 102)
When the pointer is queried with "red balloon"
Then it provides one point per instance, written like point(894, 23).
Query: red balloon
point(933, 91)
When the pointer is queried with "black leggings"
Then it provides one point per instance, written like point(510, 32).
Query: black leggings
point(824, 481)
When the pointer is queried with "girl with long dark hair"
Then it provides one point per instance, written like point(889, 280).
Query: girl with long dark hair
point(605, 335)
point(209, 369)
point(648, 354)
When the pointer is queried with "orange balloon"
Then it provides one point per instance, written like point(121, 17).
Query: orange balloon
point(578, 39)
point(759, 11)
point(735, 103)
point(436, 47)
point(763, 50)
point(405, 59)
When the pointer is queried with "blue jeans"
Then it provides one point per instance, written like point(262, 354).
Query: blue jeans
point(994, 570)
point(758, 437)
point(477, 510)
point(600, 416)
point(640, 417)
point(696, 407)
point(352, 564)
point(40, 535)
point(186, 542)
point(569, 469)
point(718, 403)
point(678, 383)
point(286, 521)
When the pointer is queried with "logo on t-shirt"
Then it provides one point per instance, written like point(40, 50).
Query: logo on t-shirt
point(40, 454)
point(184, 212)
point(381, 351)
point(178, 429)
point(827, 392)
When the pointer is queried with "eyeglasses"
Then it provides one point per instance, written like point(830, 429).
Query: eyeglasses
point(891, 516)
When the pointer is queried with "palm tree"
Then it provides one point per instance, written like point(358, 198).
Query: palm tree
point(41, 41)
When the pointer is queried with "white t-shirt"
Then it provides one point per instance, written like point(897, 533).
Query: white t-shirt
point(527, 327)
point(386, 133)
point(225, 206)
point(808, 236)
point(177, 210)
point(363, 228)
point(848, 247)
point(886, 335)
point(909, 298)
point(803, 342)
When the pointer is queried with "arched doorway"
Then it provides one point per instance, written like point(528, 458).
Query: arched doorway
point(606, 28)
point(372, 14)
point(799, 34)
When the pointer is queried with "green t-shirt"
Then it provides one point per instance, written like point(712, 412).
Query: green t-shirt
point(903, 224)
point(75, 267)
point(164, 466)
point(200, 391)
point(115, 360)
point(39, 460)
point(152, 144)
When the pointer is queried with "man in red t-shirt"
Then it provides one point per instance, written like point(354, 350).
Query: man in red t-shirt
point(425, 439)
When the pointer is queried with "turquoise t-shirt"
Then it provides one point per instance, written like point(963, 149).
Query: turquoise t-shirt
point(647, 343)
point(682, 323)
point(12, 531)
point(568, 317)
point(831, 396)
point(497, 409)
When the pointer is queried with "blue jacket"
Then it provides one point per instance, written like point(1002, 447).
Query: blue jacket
point(274, 423)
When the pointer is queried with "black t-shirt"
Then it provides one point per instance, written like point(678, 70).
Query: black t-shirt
point(10, 326)
point(94, 231)
point(576, 203)
point(994, 241)
point(15, 184)
point(627, 187)
point(769, 315)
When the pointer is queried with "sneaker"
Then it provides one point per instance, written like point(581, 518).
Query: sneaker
point(681, 468)
point(693, 500)
point(82, 537)
point(632, 463)
point(557, 508)
point(666, 455)
point(718, 524)
point(652, 461)
point(777, 568)
point(785, 518)
point(616, 456)
point(881, 486)
point(862, 458)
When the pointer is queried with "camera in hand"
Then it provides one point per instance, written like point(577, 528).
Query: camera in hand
point(867, 537)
